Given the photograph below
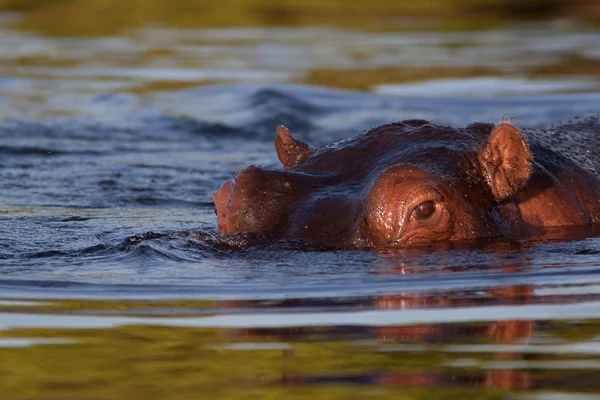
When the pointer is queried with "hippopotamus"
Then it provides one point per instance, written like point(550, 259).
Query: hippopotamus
point(414, 182)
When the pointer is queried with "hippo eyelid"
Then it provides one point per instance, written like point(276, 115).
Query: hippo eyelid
point(425, 192)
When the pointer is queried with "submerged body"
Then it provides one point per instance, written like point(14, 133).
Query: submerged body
point(414, 182)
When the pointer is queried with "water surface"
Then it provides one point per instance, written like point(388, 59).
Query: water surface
point(107, 137)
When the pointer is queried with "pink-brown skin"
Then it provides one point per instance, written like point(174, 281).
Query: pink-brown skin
point(414, 182)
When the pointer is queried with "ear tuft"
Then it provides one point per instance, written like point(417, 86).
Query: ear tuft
point(505, 161)
point(289, 150)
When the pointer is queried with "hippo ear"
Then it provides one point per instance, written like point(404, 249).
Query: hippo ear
point(289, 150)
point(505, 161)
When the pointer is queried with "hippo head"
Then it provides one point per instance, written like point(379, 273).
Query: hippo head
point(399, 184)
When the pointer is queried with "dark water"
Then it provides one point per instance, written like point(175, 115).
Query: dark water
point(86, 162)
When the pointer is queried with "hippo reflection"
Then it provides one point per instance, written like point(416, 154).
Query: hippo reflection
point(412, 339)
point(413, 182)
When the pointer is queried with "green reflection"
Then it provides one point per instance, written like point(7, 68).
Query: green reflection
point(406, 362)
point(154, 362)
point(93, 17)
point(81, 18)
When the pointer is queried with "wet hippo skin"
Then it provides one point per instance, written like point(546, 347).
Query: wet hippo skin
point(414, 182)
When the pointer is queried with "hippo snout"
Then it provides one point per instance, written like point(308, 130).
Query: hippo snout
point(256, 201)
point(221, 199)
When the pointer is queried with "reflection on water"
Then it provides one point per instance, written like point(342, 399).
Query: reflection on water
point(104, 138)
point(63, 72)
point(138, 357)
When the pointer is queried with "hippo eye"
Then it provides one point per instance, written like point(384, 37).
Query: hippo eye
point(424, 210)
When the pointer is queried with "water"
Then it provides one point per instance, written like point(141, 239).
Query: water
point(105, 138)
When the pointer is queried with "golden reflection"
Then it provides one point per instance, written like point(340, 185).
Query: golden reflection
point(432, 360)
point(100, 17)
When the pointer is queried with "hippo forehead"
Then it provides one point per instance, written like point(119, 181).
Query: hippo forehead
point(439, 150)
